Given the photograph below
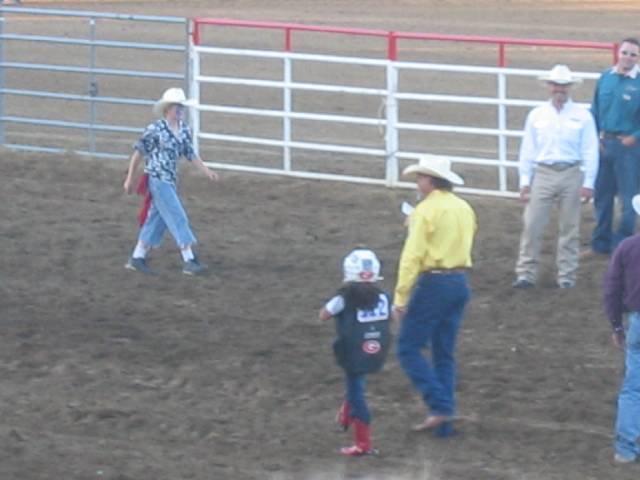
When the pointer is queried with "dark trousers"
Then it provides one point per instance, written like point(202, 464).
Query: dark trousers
point(433, 317)
point(355, 385)
point(618, 174)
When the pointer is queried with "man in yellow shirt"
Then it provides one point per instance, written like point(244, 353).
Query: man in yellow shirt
point(432, 289)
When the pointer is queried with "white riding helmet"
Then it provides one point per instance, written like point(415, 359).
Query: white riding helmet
point(361, 265)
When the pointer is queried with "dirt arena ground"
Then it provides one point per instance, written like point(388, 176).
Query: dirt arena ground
point(107, 374)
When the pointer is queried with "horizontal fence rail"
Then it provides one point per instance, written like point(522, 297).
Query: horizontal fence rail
point(392, 37)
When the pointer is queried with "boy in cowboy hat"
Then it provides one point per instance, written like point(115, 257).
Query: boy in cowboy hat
point(558, 164)
point(432, 289)
point(161, 145)
point(362, 311)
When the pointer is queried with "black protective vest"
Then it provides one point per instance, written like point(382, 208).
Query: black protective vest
point(363, 337)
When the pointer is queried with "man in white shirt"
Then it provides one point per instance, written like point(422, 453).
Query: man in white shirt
point(558, 163)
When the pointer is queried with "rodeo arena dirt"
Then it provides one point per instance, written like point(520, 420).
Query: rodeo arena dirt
point(110, 374)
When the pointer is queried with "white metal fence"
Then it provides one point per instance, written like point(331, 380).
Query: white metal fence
point(390, 95)
point(391, 108)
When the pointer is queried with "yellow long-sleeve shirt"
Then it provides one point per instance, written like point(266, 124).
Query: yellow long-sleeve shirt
point(441, 233)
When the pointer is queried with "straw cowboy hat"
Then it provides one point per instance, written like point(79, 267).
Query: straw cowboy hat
point(561, 75)
point(169, 97)
point(434, 166)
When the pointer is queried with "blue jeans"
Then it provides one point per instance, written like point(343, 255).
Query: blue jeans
point(628, 419)
point(356, 385)
point(433, 317)
point(618, 173)
point(166, 212)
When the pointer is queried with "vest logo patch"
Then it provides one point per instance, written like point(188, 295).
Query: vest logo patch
point(371, 347)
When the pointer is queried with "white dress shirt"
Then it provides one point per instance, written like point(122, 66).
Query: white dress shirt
point(552, 136)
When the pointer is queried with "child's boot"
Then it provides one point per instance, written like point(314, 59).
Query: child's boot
point(362, 435)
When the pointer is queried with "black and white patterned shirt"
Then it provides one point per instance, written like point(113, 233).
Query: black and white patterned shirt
point(162, 149)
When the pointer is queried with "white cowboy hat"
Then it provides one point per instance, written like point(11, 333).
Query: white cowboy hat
point(169, 97)
point(561, 75)
point(361, 265)
point(635, 201)
point(434, 166)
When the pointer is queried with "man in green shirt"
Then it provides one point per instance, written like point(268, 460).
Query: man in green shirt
point(616, 109)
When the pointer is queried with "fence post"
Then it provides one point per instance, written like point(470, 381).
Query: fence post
point(2, 136)
point(187, 57)
point(502, 126)
point(286, 119)
point(194, 92)
point(93, 86)
point(391, 133)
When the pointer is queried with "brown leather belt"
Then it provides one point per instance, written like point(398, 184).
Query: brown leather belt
point(447, 271)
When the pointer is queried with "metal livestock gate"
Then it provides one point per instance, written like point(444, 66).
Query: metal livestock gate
point(371, 141)
point(98, 74)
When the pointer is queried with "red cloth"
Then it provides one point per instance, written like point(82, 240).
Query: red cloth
point(143, 189)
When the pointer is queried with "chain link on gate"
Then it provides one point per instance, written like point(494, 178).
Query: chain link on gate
point(383, 131)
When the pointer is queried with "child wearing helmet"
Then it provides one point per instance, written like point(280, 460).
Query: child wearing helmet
point(362, 313)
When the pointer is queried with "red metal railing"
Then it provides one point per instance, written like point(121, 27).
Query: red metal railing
point(287, 28)
point(393, 37)
point(503, 42)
